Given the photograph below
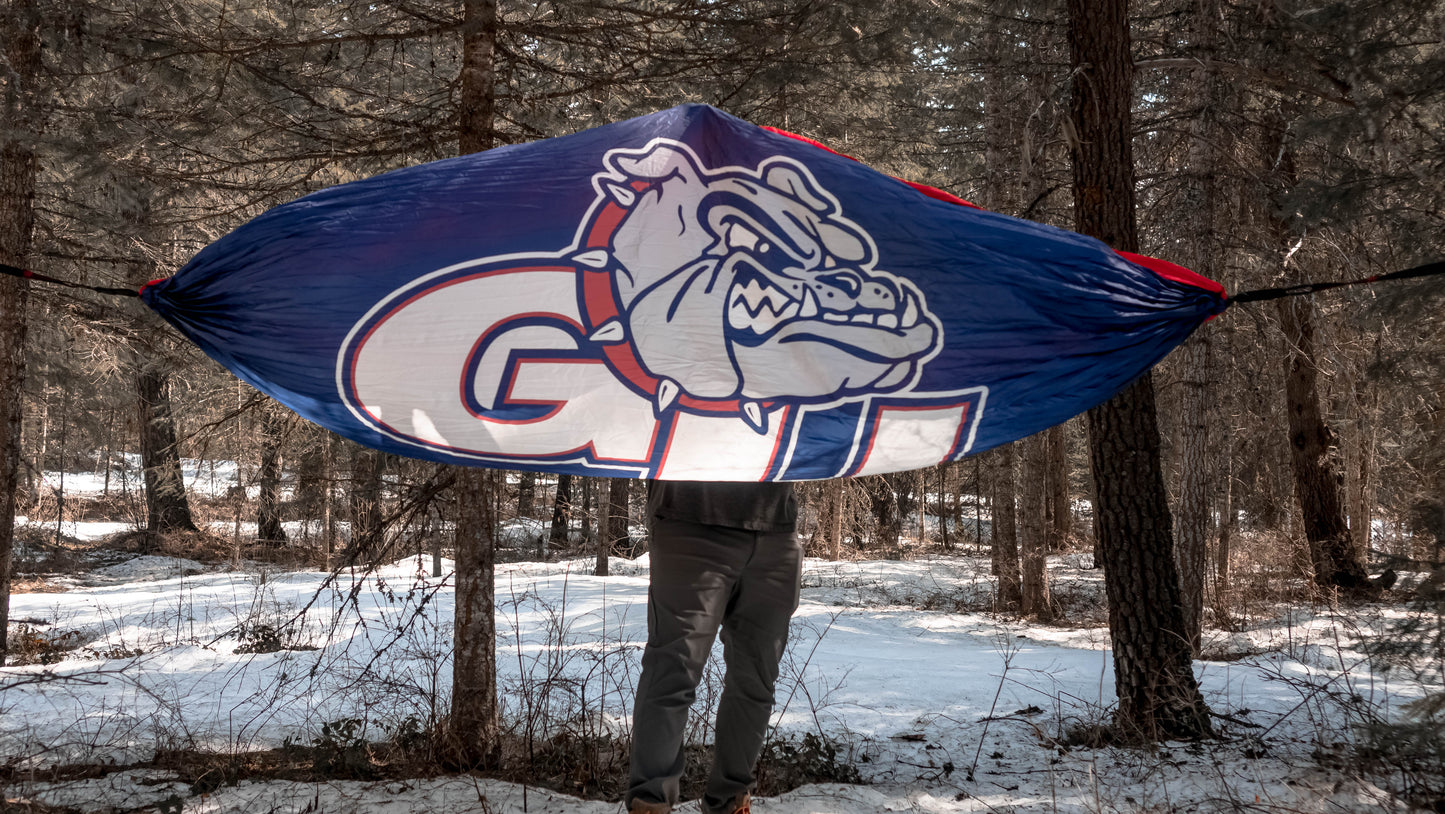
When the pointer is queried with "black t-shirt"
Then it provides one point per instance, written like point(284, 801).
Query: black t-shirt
point(751, 506)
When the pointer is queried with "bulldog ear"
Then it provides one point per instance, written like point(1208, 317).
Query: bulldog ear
point(659, 160)
point(795, 183)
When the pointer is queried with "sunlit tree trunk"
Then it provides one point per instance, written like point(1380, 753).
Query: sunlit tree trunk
point(474, 725)
point(475, 728)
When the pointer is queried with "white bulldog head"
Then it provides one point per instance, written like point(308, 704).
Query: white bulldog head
point(751, 285)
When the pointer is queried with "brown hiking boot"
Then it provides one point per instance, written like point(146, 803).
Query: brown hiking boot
point(741, 804)
point(644, 807)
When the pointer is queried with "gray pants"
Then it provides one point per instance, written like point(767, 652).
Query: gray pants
point(702, 578)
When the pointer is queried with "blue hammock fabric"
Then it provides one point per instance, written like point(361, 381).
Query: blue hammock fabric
point(684, 296)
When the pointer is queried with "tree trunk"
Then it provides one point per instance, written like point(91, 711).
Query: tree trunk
point(1032, 527)
point(1360, 471)
point(1060, 508)
point(526, 493)
point(561, 513)
point(887, 514)
point(269, 531)
point(368, 531)
point(1192, 550)
point(614, 536)
point(1005, 532)
point(20, 50)
point(328, 497)
point(474, 724)
point(1227, 526)
point(1201, 251)
point(1159, 697)
point(167, 509)
point(588, 486)
point(1337, 562)
point(838, 505)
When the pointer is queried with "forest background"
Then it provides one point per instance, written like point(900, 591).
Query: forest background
point(1274, 142)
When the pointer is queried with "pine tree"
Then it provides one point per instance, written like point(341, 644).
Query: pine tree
point(1153, 671)
point(474, 725)
point(23, 118)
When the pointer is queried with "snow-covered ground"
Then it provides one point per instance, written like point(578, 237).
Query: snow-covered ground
point(939, 709)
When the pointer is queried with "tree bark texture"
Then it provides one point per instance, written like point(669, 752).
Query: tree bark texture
point(20, 49)
point(475, 726)
point(1360, 473)
point(526, 493)
point(1201, 250)
point(167, 509)
point(1033, 527)
point(837, 507)
point(1192, 546)
point(368, 529)
point(1337, 562)
point(561, 513)
point(474, 723)
point(1056, 478)
point(476, 108)
point(1159, 697)
point(589, 489)
point(268, 477)
point(614, 536)
point(1005, 531)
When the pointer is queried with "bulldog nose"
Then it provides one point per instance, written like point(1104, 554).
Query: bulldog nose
point(848, 282)
point(845, 289)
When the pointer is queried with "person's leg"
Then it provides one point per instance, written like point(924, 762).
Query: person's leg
point(754, 634)
point(693, 571)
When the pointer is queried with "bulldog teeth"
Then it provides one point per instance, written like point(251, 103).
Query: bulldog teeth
point(595, 258)
point(755, 417)
point(910, 312)
point(834, 316)
point(609, 332)
point(667, 393)
point(809, 309)
point(887, 321)
point(760, 307)
point(622, 194)
point(864, 319)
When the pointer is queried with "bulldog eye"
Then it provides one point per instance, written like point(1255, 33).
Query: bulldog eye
point(741, 237)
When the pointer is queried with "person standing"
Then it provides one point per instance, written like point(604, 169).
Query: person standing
point(724, 557)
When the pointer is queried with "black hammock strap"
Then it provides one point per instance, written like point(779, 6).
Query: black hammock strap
point(1257, 295)
point(35, 275)
point(1261, 294)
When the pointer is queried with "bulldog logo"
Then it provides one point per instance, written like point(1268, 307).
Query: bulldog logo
point(737, 288)
point(697, 311)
